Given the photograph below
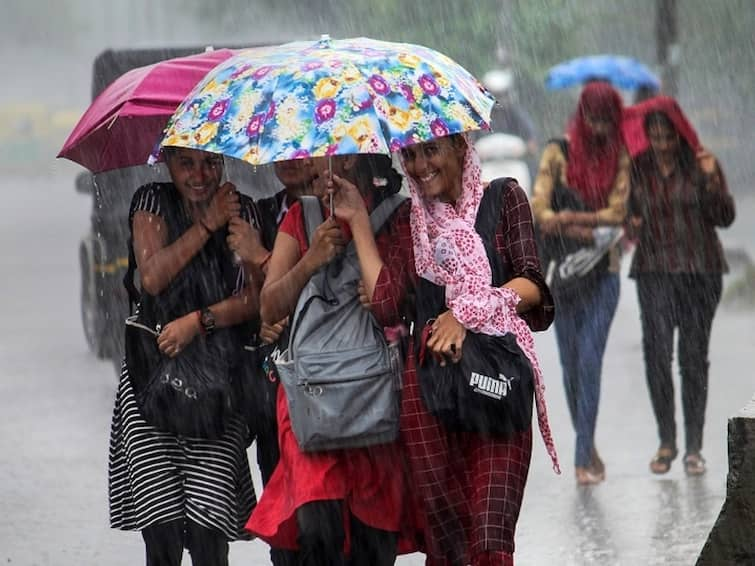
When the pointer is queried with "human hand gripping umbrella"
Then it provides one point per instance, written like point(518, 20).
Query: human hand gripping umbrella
point(328, 97)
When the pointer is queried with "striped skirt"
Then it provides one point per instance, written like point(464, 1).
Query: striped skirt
point(156, 477)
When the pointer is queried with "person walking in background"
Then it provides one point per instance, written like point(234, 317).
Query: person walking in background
point(507, 116)
point(679, 196)
point(510, 117)
point(177, 489)
point(579, 203)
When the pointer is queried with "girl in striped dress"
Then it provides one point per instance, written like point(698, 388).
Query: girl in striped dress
point(183, 491)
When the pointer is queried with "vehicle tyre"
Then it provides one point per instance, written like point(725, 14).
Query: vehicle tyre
point(91, 320)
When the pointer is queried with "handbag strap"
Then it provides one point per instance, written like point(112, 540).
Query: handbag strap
point(133, 321)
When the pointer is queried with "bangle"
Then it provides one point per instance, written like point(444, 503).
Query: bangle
point(203, 225)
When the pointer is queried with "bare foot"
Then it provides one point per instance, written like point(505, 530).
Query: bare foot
point(596, 465)
point(586, 476)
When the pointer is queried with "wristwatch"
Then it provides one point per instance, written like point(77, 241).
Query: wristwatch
point(207, 319)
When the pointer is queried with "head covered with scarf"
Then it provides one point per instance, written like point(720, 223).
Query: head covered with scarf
point(449, 252)
point(594, 155)
point(633, 126)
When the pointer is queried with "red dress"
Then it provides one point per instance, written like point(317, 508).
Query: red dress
point(470, 488)
point(370, 481)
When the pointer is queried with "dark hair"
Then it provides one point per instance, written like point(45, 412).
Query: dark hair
point(686, 157)
point(644, 92)
point(168, 151)
point(376, 170)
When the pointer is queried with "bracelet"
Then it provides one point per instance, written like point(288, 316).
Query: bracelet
point(203, 225)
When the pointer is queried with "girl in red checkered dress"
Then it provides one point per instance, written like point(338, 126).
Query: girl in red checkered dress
point(469, 488)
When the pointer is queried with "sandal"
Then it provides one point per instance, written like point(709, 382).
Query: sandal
point(694, 464)
point(661, 462)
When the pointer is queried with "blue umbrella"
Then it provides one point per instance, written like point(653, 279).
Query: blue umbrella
point(622, 72)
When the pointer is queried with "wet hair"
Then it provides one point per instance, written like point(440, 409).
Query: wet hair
point(376, 170)
point(643, 93)
point(171, 151)
point(168, 152)
point(686, 157)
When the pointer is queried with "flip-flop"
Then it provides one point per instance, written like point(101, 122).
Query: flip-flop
point(694, 465)
point(661, 462)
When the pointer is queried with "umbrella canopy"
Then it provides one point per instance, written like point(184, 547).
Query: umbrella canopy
point(622, 72)
point(122, 125)
point(328, 97)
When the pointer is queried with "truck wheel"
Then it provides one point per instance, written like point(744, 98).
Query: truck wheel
point(90, 316)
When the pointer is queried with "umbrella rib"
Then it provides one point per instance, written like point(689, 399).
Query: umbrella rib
point(111, 121)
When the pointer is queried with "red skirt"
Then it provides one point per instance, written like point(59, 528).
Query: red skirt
point(370, 482)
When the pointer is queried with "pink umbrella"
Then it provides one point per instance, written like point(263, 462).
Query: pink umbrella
point(122, 125)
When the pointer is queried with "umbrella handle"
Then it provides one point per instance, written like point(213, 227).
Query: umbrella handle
point(331, 204)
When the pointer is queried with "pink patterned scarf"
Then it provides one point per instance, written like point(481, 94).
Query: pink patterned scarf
point(449, 252)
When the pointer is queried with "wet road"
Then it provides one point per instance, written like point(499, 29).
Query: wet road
point(56, 399)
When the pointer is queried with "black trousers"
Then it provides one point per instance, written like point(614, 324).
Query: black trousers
point(165, 543)
point(687, 303)
point(321, 538)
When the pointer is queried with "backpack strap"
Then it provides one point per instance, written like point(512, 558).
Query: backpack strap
point(384, 210)
point(489, 212)
point(488, 217)
point(563, 145)
point(312, 212)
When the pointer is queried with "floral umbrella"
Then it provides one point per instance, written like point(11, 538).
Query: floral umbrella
point(328, 97)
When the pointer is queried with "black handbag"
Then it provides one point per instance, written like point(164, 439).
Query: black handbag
point(190, 394)
point(491, 390)
point(256, 387)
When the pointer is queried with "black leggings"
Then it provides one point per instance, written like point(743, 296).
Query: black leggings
point(165, 543)
point(321, 538)
point(686, 302)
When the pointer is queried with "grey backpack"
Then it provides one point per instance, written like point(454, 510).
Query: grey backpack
point(341, 377)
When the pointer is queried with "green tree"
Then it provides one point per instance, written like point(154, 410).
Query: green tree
point(467, 32)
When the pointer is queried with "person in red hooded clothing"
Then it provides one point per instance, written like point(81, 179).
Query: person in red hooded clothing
point(678, 198)
point(579, 204)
